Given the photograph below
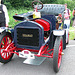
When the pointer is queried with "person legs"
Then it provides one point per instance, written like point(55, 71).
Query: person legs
point(67, 26)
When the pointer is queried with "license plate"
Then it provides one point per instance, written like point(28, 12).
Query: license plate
point(26, 54)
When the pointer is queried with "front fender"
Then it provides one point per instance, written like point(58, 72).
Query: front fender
point(7, 29)
point(2, 29)
point(58, 32)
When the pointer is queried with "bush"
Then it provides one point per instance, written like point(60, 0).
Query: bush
point(17, 3)
point(8, 5)
point(27, 3)
point(71, 4)
point(48, 1)
point(60, 2)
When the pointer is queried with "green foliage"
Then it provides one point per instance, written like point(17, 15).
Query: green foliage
point(8, 4)
point(70, 4)
point(17, 3)
point(27, 3)
point(12, 12)
point(60, 2)
point(72, 33)
point(48, 1)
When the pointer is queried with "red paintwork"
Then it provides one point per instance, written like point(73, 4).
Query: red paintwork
point(43, 52)
point(59, 54)
point(43, 23)
point(4, 43)
point(7, 48)
point(35, 9)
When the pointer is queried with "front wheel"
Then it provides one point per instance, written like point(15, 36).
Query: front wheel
point(57, 54)
point(5, 40)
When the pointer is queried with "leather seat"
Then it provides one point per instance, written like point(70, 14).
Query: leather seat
point(49, 11)
point(52, 9)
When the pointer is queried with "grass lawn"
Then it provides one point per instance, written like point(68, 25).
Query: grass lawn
point(72, 33)
point(12, 12)
point(12, 22)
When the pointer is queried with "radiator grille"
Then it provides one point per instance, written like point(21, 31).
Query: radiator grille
point(28, 36)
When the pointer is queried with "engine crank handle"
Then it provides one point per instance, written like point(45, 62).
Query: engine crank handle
point(26, 19)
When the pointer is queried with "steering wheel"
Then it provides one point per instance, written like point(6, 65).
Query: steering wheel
point(36, 4)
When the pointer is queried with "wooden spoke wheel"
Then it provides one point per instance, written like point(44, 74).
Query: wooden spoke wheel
point(5, 40)
point(57, 54)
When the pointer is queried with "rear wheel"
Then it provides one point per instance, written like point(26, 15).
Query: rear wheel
point(57, 57)
point(5, 40)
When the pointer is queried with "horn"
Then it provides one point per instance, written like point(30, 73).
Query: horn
point(59, 18)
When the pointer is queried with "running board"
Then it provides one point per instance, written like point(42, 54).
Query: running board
point(36, 61)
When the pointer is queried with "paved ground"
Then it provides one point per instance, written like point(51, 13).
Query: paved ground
point(16, 67)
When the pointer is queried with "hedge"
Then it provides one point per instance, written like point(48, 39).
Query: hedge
point(27, 3)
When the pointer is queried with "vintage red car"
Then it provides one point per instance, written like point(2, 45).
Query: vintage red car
point(35, 38)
